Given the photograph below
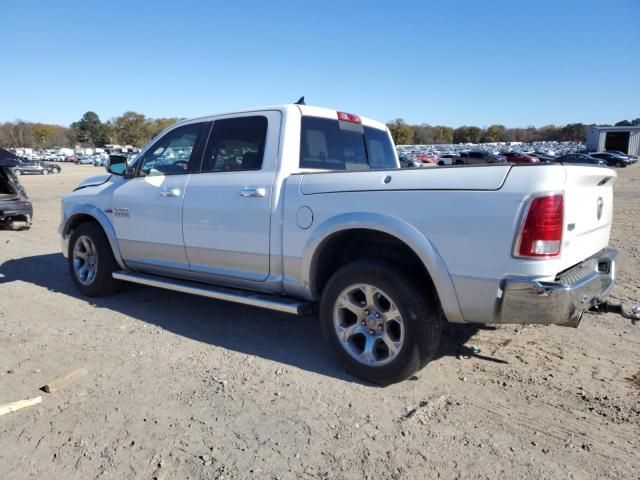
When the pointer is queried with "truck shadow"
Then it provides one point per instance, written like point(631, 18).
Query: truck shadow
point(282, 338)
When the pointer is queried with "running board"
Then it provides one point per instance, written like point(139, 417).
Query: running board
point(270, 302)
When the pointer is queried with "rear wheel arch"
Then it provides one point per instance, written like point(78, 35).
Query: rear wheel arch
point(399, 244)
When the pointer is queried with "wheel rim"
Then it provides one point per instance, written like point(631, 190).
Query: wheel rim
point(85, 260)
point(368, 325)
point(44, 172)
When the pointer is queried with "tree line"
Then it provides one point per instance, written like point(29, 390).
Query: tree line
point(424, 134)
point(130, 128)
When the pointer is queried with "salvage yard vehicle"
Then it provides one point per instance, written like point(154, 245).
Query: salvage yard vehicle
point(613, 159)
point(297, 208)
point(478, 158)
point(519, 157)
point(51, 167)
point(24, 167)
point(16, 210)
point(580, 158)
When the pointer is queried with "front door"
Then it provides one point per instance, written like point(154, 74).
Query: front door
point(147, 209)
point(227, 209)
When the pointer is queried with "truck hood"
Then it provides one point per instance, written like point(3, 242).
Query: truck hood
point(482, 178)
point(94, 181)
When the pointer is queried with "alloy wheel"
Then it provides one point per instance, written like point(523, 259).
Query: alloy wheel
point(369, 325)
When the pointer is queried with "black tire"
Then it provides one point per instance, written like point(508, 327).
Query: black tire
point(103, 282)
point(56, 170)
point(420, 311)
point(45, 172)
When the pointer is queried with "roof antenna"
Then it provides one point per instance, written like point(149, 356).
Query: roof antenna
point(300, 101)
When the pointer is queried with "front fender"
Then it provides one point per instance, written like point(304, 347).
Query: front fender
point(395, 227)
point(100, 217)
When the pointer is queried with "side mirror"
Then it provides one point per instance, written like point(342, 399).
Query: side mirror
point(117, 164)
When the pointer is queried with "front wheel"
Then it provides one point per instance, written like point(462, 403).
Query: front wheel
point(91, 261)
point(45, 172)
point(380, 325)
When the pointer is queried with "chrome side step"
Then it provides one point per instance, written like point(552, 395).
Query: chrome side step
point(271, 302)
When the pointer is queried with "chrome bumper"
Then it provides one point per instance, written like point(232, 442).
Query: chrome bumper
point(563, 301)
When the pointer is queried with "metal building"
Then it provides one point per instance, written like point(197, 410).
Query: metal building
point(625, 139)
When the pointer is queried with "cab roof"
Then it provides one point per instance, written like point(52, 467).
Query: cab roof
point(305, 110)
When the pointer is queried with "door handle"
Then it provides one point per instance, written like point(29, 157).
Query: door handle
point(170, 192)
point(253, 192)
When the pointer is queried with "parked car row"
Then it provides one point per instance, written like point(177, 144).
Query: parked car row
point(412, 156)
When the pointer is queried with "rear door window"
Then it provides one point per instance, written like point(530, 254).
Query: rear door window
point(236, 144)
point(339, 145)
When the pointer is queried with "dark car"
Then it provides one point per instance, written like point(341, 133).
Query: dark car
point(612, 159)
point(544, 157)
point(631, 158)
point(479, 157)
point(16, 210)
point(52, 167)
point(580, 158)
point(519, 157)
point(29, 167)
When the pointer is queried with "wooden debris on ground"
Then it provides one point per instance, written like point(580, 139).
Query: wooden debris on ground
point(13, 406)
point(61, 382)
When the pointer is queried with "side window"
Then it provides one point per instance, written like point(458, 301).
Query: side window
point(379, 148)
point(236, 144)
point(171, 154)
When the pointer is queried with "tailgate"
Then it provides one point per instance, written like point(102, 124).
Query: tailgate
point(588, 211)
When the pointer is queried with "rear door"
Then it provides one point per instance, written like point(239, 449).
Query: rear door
point(147, 209)
point(227, 209)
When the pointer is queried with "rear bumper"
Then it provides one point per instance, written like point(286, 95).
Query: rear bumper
point(563, 301)
point(9, 209)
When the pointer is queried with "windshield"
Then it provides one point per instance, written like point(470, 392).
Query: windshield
point(339, 145)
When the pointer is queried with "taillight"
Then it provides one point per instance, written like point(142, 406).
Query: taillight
point(349, 117)
point(541, 231)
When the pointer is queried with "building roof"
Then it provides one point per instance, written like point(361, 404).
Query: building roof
point(635, 128)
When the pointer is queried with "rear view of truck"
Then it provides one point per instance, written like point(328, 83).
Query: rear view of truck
point(568, 232)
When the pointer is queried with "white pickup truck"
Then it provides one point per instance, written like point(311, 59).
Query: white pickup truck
point(294, 206)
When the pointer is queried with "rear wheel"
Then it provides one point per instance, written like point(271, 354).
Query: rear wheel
point(45, 172)
point(91, 261)
point(381, 327)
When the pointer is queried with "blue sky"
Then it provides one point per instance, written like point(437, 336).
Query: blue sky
point(448, 62)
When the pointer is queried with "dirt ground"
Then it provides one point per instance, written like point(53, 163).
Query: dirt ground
point(184, 387)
